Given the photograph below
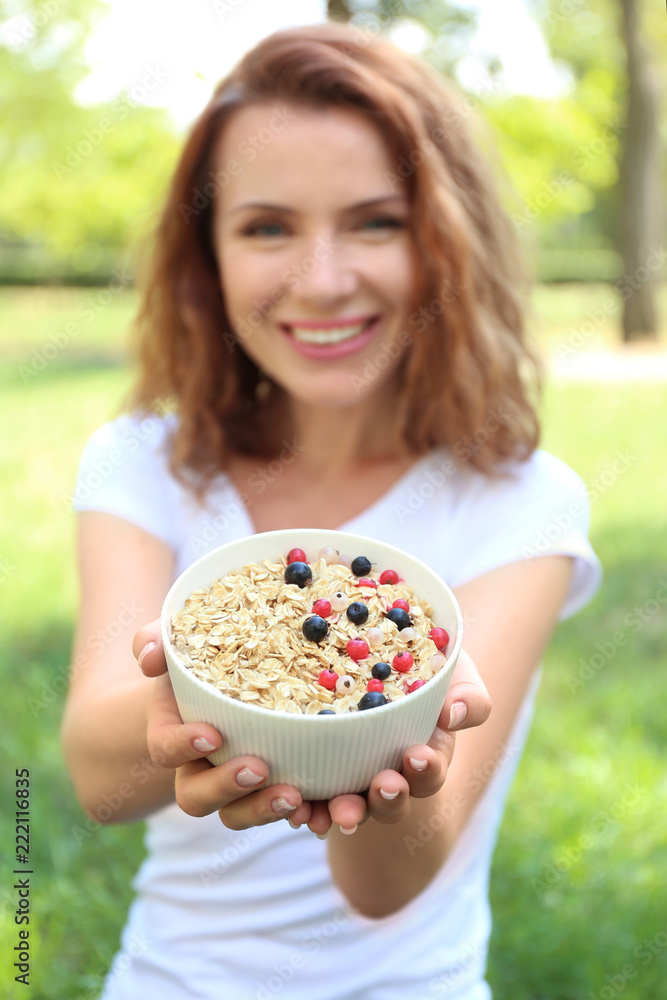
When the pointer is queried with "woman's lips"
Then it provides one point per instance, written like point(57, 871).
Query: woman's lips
point(338, 349)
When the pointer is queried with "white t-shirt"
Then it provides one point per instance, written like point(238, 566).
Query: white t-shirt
point(247, 915)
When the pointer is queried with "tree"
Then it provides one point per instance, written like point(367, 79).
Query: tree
point(641, 207)
point(601, 41)
point(338, 10)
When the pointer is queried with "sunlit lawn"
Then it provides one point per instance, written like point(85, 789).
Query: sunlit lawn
point(578, 881)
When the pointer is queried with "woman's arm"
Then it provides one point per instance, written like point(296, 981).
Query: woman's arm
point(125, 574)
point(508, 615)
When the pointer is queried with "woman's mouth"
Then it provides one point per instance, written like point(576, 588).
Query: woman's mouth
point(330, 339)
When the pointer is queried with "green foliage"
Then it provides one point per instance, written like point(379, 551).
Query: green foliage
point(81, 182)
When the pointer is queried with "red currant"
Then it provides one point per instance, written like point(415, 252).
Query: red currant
point(367, 583)
point(417, 684)
point(322, 608)
point(402, 604)
point(296, 555)
point(402, 662)
point(440, 637)
point(389, 576)
point(357, 649)
point(328, 679)
point(375, 685)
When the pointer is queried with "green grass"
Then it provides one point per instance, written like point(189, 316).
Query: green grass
point(557, 935)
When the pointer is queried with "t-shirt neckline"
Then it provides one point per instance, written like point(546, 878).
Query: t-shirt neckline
point(375, 507)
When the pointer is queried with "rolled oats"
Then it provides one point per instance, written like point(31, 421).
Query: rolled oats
point(244, 635)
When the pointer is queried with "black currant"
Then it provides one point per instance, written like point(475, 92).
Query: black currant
point(299, 573)
point(314, 628)
point(381, 671)
point(399, 617)
point(357, 613)
point(361, 566)
point(372, 699)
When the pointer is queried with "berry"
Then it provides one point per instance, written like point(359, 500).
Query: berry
point(399, 617)
point(326, 711)
point(344, 560)
point(367, 583)
point(357, 649)
point(298, 573)
point(381, 671)
point(357, 613)
point(408, 634)
point(416, 684)
point(375, 685)
point(440, 637)
point(296, 555)
point(402, 604)
point(322, 608)
point(389, 576)
point(329, 554)
point(437, 661)
point(402, 662)
point(339, 601)
point(372, 699)
point(314, 628)
point(328, 679)
point(345, 684)
point(361, 566)
point(374, 637)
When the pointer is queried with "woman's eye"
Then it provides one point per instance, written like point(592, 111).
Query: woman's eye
point(264, 229)
point(383, 222)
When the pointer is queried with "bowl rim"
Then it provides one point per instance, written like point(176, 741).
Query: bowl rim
point(259, 711)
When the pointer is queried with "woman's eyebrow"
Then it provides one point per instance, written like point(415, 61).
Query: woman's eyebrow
point(266, 205)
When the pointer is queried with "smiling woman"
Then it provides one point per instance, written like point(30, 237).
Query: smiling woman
point(321, 189)
point(332, 313)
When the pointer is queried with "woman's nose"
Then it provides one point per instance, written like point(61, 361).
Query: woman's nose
point(325, 273)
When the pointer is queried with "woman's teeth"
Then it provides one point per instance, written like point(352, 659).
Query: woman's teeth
point(332, 336)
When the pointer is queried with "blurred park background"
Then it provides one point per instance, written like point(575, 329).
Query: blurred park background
point(569, 98)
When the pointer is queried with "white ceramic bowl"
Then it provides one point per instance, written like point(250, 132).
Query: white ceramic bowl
point(321, 755)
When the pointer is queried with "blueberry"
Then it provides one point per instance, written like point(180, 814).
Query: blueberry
point(314, 628)
point(372, 699)
point(298, 573)
point(399, 617)
point(326, 711)
point(381, 671)
point(357, 613)
point(361, 566)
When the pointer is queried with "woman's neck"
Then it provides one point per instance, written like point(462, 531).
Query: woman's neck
point(330, 441)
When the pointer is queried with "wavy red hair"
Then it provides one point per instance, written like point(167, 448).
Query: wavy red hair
point(468, 372)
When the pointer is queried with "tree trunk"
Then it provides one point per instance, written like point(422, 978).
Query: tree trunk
point(338, 10)
point(641, 211)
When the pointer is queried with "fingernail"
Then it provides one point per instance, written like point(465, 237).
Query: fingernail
point(247, 778)
point(202, 745)
point(388, 795)
point(348, 830)
point(147, 649)
point(418, 765)
point(457, 714)
point(281, 807)
point(295, 826)
point(322, 836)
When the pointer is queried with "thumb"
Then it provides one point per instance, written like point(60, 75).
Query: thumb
point(147, 648)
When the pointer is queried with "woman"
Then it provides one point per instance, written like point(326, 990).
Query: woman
point(332, 318)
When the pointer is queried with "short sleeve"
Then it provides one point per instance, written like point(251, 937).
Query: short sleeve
point(542, 509)
point(124, 471)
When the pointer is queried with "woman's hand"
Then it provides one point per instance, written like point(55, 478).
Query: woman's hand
point(235, 787)
point(424, 766)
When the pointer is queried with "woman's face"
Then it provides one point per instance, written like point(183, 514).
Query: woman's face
point(314, 251)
